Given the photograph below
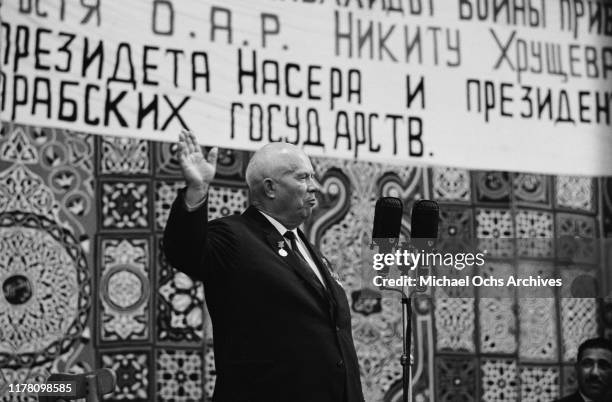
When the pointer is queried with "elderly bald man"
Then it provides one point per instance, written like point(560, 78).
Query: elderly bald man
point(281, 323)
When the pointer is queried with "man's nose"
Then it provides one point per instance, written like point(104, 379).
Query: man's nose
point(596, 370)
point(314, 185)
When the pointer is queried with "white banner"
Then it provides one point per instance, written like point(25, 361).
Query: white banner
point(519, 85)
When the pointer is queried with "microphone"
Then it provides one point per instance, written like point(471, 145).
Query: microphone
point(424, 223)
point(385, 234)
point(424, 220)
point(387, 223)
point(387, 227)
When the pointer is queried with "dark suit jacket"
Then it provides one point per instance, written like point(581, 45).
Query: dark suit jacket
point(278, 334)
point(575, 397)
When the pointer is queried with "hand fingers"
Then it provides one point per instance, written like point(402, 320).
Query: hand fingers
point(212, 156)
point(182, 143)
point(186, 141)
point(182, 151)
point(194, 147)
point(185, 138)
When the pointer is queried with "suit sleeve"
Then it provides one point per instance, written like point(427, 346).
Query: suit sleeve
point(195, 246)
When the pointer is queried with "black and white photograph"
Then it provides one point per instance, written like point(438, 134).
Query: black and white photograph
point(306, 200)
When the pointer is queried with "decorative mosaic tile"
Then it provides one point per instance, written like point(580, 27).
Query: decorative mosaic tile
point(406, 183)
point(537, 314)
point(576, 238)
point(539, 384)
point(124, 155)
point(535, 233)
point(495, 231)
point(456, 379)
point(455, 222)
point(497, 325)
point(45, 297)
point(65, 165)
point(18, 147)
point(580, 281)
point(23, 190)
point(450, 184)
point(179, 375)
point(124, 288)
point(389, 375)
point(125, 205)
point(223, 201)
point(578, 323)
point(377, 349)
point(231, 164)
point(455, 321)
point(210, 374)
point(499, 381)
point(497, 306)
point(54, 153)
point(535, 268)
point(575, 225)
point(492, 187)
point(180, 305)
point(531, 189)
point(166, 160)
point(537, 321)
point(576, 193)
point(24, 375)
point(133, 375)
point(165, 194)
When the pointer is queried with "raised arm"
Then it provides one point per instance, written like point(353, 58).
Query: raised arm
point(190, 242)
point(197, 170)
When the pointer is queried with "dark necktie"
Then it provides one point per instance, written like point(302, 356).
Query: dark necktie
point(289, 235)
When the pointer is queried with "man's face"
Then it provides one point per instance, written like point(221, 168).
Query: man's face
point(594, 372)
point(296, 188)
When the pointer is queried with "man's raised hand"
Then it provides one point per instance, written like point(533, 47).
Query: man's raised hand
point(197, 170)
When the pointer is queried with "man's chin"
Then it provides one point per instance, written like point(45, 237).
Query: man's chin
point(594, 391)
point(307, 211)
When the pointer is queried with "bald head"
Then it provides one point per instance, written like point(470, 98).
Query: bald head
point(281, 182)
point(271, 161)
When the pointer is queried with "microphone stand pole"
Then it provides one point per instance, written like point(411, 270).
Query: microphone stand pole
point(406, 343)
point(406, 331)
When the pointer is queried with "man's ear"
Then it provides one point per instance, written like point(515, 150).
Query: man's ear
point(269, 188)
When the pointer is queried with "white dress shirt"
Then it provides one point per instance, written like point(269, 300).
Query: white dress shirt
point(300, 244)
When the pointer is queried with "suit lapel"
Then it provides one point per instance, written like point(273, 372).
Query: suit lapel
point(274, 239)
point(318, 259)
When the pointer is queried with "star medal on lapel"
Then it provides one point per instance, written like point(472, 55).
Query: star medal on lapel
point(281, 249)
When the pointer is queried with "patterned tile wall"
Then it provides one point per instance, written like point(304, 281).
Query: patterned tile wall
point(81, 219)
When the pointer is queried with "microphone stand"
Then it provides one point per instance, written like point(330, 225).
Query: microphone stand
point(386, 246)
point(406, 342)
point(406, 330)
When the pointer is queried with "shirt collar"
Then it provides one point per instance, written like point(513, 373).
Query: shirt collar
point(584, 398)
point(279, 226)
